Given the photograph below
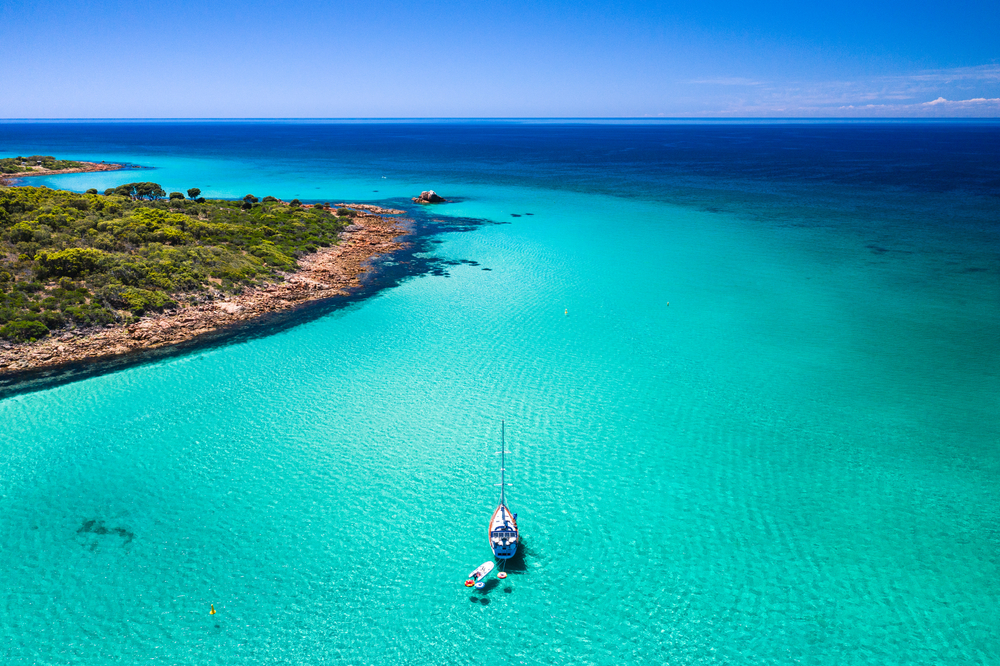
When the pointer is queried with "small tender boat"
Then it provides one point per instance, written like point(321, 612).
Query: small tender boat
point(481, 572)
point(503, 533)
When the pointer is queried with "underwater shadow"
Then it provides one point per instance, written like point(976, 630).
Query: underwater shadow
point(516, 564)
point(95, 526)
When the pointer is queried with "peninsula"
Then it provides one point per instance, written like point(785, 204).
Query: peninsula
point(12, 168)
point(94, 276)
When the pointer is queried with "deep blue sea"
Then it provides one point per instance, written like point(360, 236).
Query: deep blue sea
point(750, 374)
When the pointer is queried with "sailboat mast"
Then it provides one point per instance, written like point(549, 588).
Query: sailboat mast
point(502, 462)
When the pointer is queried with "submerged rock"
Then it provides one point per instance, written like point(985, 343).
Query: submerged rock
point(430, 196)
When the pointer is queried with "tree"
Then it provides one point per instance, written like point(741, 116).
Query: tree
point(270, 199)
point(251, 199)
point(294, 203)
point(151, 191)
point(136, 191)
point(92, 190)
point(176, 195)
point(194, 193)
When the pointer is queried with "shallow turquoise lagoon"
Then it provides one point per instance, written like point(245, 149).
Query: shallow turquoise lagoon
point(731, 442)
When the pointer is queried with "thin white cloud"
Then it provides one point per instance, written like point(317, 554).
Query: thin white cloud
point(980, 73)
point(977, 100)
point(957, 92)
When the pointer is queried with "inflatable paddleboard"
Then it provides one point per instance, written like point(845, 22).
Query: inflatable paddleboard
point(482, 571)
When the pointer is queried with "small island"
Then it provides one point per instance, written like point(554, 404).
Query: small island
point(96, 275)
point(12, 168)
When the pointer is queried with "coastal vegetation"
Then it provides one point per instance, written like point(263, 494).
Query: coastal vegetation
point(70, 260)
point(13, 165)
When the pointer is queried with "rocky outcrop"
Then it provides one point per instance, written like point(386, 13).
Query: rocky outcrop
point(430, 196)
point(330, 272)
point(378, 210)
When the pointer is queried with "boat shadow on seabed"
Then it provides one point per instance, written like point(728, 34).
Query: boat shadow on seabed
point(515, 566)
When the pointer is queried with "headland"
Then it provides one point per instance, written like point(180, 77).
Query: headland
point(14, 168)
point(91, 277)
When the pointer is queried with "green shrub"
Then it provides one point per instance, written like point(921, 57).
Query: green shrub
point(135, 300)
point(24, 331)
point(92, 314)
point(52, 319)
point(72, 262)
point(22, 231)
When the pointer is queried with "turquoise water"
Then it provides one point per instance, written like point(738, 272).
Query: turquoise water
point(731, 442)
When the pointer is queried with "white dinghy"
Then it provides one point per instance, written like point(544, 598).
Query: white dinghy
point(478, 574)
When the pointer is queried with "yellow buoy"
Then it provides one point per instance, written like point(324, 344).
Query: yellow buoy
point(567, 311)
point(212, 612)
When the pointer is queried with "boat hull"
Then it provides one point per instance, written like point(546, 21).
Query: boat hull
point(503, 534)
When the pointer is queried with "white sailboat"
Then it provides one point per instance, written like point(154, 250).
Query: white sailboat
point(503, 534)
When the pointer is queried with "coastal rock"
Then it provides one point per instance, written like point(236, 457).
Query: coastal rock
point(231, 308)
point(377, 210)
point(430, 196)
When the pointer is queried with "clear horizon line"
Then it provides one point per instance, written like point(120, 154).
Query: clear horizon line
point(501, 119)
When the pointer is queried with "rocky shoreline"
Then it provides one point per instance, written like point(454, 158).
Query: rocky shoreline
point(328, 273)
point(88, 167)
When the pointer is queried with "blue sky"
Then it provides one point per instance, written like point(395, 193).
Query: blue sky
point(364, 58)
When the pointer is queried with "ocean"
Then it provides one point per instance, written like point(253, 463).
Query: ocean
point(750, 376)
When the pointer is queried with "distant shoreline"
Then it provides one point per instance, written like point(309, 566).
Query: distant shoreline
point(8, 179)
